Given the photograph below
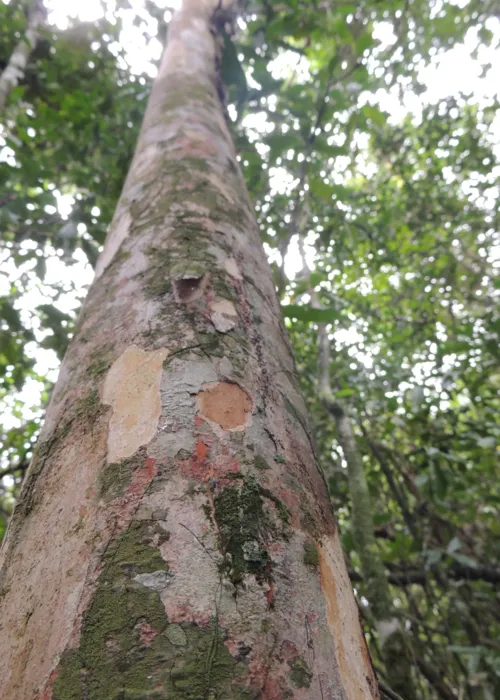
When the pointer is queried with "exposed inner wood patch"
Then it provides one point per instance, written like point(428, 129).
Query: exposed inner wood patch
point(343, 621)
point(132, 389)
point(226, 404)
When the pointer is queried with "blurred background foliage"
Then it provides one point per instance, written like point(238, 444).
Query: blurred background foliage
point(376, 189)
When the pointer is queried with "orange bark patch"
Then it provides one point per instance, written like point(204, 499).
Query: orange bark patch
point(226, 404)
point(197, 467)
point(342, 615)
point(202, 466)
point(200, 451)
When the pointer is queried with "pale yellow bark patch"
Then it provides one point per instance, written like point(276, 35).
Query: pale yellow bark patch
point(223, 314)
point(118, 233)
point(343, 621)
point(132, 389)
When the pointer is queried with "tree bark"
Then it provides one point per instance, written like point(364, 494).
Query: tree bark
point(174, 537)
point(14, 71)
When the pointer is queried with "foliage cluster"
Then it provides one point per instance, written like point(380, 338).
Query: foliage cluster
point(398, 219)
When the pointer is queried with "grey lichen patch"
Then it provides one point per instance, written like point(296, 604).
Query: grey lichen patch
point(223, 315)
point(156, 580)
point(115, 478)
point(311, 556)
point(300, 674)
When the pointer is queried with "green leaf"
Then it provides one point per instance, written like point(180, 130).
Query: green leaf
point(307, 313)
point(320, 188)
point(453, 545)
point(464, 559)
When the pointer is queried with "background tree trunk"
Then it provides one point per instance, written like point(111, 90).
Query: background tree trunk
point(394, 645)
point(174, 537)
point(16, 67)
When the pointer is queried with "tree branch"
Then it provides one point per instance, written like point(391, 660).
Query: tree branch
point(16, 67)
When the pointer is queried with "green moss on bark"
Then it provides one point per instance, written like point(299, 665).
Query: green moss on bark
point(245, 526)
point(239, 513)
point(86, 412)
point(127, 647)
point(300, 673)
point(100, 361)
point(115, 478)
point(261, 463)
point(311, 557)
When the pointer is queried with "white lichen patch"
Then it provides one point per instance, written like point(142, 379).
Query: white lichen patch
point(223, 315)
point(232, 268)
point(118, 233)
point(132, 389)
point(343, 620)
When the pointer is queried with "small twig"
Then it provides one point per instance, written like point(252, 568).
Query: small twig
point(199, 542)
point(385, 690)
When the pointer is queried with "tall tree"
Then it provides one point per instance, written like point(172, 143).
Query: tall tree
point(174, 536)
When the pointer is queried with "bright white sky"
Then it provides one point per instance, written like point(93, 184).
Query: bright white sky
point(449, 74)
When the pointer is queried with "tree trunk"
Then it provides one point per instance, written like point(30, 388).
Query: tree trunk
point(174, 537)
point(16, 67)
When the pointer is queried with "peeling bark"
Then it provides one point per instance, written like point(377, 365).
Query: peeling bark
point(174, 536)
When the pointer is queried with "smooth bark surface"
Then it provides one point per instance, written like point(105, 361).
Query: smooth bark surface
point(174, 538)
